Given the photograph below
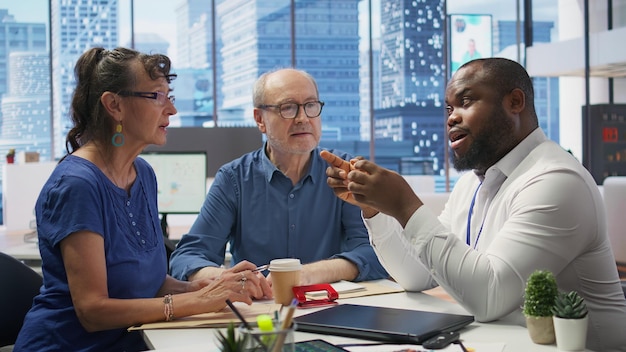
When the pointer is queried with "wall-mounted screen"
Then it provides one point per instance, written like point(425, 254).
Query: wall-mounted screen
point(470, 38)
point(181, 179)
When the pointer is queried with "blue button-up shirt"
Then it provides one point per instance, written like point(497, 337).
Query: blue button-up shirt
point(253, 206)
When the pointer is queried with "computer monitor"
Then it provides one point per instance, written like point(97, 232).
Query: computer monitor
point(181, 179)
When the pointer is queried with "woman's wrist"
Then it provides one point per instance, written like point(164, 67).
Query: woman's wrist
point(168, 310)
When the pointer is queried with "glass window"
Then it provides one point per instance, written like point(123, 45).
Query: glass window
point(25, 109)
point(381, 65)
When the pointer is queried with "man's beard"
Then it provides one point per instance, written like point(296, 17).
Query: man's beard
point(489, 145)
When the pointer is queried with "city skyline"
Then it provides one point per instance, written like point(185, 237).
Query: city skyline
point(413, 145)
point(422, 89)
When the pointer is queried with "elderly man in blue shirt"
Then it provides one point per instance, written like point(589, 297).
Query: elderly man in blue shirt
point(274, 202)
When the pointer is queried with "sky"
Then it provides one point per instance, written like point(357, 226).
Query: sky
point(27, 10)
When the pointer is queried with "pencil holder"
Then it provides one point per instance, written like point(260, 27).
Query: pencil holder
point(268, 341)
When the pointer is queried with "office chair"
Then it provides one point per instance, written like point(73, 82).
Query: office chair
point(20, 285)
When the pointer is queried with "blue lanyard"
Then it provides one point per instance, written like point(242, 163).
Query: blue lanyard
point(469, 219)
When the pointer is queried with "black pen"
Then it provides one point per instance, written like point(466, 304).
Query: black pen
point(243, 321)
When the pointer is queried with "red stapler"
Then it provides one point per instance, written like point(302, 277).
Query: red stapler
point(301, 291)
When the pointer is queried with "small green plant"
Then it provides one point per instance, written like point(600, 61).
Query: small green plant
point(540, 294)
point(569, 305)
point(230, 342)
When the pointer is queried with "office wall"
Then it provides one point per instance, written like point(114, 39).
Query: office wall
point(221, 144)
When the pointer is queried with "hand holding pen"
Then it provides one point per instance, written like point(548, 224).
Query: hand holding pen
point(260, 268)
point(242, 280)
point(252, 274)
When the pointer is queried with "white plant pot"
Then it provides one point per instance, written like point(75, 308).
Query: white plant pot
point(571, 334)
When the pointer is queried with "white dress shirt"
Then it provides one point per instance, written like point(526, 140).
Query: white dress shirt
point(537, 208)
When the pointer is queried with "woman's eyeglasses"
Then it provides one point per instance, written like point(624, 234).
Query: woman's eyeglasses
point(159, 96)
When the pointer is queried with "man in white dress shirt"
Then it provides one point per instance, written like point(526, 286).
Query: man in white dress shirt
point(527, 205)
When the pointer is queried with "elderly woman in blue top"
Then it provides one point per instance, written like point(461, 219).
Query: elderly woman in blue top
point(274, 202)
point(103, 258)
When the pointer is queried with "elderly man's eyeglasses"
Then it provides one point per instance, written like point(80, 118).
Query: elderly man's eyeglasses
point(160, 97)
point(290, 110)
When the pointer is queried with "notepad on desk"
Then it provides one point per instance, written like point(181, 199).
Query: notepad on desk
point(347, 289)
point(215, 319)
point(342, 286)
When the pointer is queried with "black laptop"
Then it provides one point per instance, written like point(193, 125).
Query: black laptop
point(389, 325)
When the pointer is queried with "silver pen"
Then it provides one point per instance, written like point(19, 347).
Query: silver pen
point(260, 268)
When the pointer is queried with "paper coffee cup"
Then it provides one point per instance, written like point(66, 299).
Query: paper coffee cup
point(285, 275)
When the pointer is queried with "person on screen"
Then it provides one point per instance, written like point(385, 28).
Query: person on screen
point(274, 203)
point(471, 53)
point(102, 251)
point(527, 204)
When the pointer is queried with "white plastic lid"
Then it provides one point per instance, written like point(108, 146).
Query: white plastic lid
point(285, 264)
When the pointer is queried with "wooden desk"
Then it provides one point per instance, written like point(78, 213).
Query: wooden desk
point(493, 336)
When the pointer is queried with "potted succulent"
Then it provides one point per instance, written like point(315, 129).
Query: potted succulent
point(539, 296)
point(229, 342)
point(570, 321)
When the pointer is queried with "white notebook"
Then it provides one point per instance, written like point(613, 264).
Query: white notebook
point(342, 286)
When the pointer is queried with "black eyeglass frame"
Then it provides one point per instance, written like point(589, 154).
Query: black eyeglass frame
point(148, 95)
point(303, 105)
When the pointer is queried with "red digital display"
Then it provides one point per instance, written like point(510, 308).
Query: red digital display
point(609, 134)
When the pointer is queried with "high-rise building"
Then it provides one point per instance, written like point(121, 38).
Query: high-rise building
point(546, 88)
point(412, 80)
point(76, 26)
point(199, 39)
point(24, 87)
point(412, 53)
point(195, 64)
point(25, 107)
point(413, 69)
point(367, 87)
point(193, 33)
point(256, 38)
point(18, 36)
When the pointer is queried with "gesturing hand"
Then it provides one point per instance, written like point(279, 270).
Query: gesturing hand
point(371, 187)
point(338, 176)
